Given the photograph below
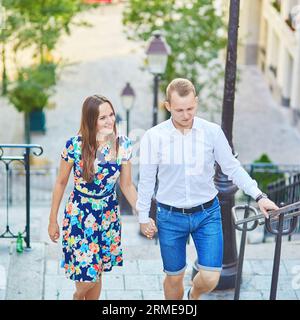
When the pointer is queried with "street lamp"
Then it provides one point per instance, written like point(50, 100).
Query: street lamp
point(157, 56)
point(127, 97)
point(225, 187)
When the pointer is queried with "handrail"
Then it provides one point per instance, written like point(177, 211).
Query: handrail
point(25, 160)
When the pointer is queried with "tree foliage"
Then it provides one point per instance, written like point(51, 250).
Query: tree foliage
point(195, 32)
point(37, 25)
point(33, 88)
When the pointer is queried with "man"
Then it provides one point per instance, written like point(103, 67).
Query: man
point(181, 153)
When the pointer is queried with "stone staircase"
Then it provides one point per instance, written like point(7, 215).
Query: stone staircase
point(35, 274)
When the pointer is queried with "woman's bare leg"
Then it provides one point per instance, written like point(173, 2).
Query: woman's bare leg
point(94, 293)
point(81, 289)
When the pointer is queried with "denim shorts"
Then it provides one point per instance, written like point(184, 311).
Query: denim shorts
point(204, 226)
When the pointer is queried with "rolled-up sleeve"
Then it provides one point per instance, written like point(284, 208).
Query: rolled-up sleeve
point(232, 167)
point(147, 176)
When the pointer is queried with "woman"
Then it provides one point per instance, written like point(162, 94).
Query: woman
point(91, 234)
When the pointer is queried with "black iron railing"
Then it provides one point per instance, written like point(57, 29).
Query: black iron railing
point(285, 192)
point(250, 221)
point(42, 179)
point(280, 181)
point(24, 159)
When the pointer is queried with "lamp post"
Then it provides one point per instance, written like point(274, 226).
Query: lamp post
point(225, 187)
point(157, 56)
point(127, 97)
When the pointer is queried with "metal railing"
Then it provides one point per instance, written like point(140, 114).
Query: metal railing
point(285, 192)
point(42, 179)
point(275, 225)
point(283, 187)
point(24, 160)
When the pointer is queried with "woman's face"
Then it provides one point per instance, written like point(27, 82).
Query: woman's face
point(106, 119)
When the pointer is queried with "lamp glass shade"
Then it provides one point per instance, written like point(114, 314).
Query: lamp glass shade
point(157, 63)
point(127, 101)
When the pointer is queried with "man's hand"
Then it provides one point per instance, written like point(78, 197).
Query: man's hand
point(266, 204)
point(148, 229)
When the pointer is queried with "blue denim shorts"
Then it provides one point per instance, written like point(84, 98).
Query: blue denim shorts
point(204, 226)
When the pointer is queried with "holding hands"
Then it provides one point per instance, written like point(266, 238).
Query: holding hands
point(148, 229)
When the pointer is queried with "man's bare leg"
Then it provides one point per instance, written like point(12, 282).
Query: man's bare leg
point(173, 287)
point(205, 281)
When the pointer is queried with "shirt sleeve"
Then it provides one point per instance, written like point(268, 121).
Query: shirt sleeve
point(126, 145)
point(232, 167)
point(67, 153)
point(147, 177)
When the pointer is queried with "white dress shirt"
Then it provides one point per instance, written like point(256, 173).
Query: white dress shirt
point(184, 164)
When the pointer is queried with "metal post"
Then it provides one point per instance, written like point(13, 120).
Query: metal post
point(27, 172)
point(27, 127)
point(238, 279)
point(7, 196)
point(155, 100)
point(225, 187)
point(276, 262)
point(127, 120)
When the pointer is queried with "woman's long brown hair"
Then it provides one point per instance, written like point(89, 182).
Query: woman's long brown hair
point(88, 132)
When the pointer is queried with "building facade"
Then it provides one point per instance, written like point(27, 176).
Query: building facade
point(270, 38)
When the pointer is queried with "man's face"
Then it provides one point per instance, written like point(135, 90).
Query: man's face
point(182, 109)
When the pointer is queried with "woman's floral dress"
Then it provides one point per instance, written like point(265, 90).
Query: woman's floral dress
point(91, 237)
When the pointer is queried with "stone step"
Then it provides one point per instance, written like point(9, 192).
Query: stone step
point(25, 279)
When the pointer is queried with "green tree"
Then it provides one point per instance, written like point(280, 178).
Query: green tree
point(32, 90)
point(9, 22)
point(195, 32)
point(37, 25)
point(44, 22)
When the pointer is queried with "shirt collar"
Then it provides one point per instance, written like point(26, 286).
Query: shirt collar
point(196, 124)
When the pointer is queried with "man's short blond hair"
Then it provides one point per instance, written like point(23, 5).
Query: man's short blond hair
point(182, 86)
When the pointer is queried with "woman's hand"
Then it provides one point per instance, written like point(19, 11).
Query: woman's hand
point(148, 229)
point(53, 231)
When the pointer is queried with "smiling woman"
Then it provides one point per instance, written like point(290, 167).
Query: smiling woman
point(91, 233)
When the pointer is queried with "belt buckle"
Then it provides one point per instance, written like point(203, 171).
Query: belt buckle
point(183, 212)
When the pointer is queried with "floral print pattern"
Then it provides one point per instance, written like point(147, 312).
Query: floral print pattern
point(91, 237)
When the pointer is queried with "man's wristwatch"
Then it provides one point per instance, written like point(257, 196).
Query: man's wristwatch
point(262, 195)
